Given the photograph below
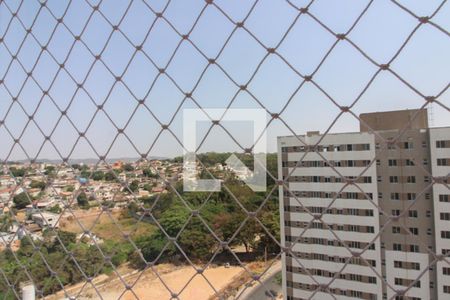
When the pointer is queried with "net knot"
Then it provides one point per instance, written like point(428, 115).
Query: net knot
point(424, 20)
point(430, 99)
point(384, 67)
point(340, 36)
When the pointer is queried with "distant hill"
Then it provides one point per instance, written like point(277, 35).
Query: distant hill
point(88, 160)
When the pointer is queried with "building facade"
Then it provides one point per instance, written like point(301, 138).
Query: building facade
point(363, 213)
point(440, 166)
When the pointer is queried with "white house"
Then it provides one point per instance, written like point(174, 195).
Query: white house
point(45, 219)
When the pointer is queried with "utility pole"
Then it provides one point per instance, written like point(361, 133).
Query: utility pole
point(265, 255)
point(28, 291)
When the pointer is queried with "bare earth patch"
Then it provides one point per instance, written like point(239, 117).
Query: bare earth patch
point(197, 289)
point(103, 225)
point(179, 280)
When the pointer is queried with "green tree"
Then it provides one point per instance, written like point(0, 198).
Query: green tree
point(87, 257)
point(49, 170)
point(148, 187)
point(69, 188)
point(85, 173)
point(50, 285)
point(26, 247)
point(109, 176)
point(21, 200)
point(17, 172)
point(6, 221)
point(272, 223)
point(173, 219)
point(148, 173)
point(67, 237)
point(118, 252)
point(223, 225)
point(76, 167)
point(196, 241)
point(55, 209)
point(151, 247)
point(82, 200)
point(272, 168)
point(128, 168)
point(133, 207)
point(247, 235)
point(37, 185)
point(98, 175)
point(134, 186)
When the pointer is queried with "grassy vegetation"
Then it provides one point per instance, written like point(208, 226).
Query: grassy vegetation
point(87, 258)
point(223, 212)
point(278, 279)
point(107, 227)
point(128, 225)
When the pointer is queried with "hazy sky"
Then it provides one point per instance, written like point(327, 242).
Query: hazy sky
point(423, 63)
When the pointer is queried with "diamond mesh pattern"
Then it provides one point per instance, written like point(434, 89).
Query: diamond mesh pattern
point(79, 75)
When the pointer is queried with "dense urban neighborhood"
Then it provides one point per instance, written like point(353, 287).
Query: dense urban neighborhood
point(90, 219)
point(224, 150)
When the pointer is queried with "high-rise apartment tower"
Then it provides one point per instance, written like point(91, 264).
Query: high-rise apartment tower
point(366, 215)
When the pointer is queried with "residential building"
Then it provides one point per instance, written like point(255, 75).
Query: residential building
point(359, 209)
point(46, 219)
point(440, 166)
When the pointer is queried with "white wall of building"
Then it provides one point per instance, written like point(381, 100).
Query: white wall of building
point(333, 139)
point(438, 134)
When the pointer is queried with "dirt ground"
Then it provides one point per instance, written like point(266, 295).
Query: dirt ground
point(179, 280)
point(103, 225)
